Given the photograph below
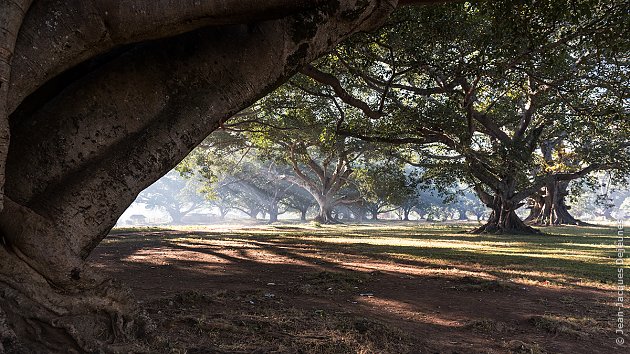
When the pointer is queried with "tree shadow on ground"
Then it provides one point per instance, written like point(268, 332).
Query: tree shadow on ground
point(438, 307)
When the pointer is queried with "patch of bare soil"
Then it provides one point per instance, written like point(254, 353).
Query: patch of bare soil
point(267, 296)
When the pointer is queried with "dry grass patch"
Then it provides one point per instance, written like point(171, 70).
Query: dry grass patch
point(327, 282)
point(488, 326)
point(228, 322)
point(577, 327)
point(480, 284)
point(519, 347)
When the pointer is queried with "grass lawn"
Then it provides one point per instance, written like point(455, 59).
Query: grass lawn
point(563, 254)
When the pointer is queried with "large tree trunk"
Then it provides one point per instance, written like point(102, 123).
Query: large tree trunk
point(504, 220)
point(324, 215)
point(273, 213)
point(86, 143)
point(537, 202)
point(406, 212)
point(12, 14)
point(550, 208)
point(52, 299)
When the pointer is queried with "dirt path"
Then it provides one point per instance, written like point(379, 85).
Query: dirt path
point(244, 296)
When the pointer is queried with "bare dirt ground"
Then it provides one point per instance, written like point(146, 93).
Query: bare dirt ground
point(223, 292)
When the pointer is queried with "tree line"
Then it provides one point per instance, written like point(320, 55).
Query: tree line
point(248, 183)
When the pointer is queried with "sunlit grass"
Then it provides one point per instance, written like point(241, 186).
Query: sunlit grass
point(564, 255)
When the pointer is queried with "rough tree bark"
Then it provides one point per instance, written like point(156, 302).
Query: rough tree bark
point(12, 15)
point(503, 218)
point(97, 112)
point(548, 203)
point(324, 214)
point(549, 206)
point(536, 202)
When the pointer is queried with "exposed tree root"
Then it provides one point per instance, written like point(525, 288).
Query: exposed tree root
point(493, 228)
point(327, 220)
point(95, 316)
point(509, 223)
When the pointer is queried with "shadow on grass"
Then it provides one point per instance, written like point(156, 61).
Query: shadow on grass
point(342, 264)
point(583, 253)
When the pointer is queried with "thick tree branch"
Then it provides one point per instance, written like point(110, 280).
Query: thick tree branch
point(45, 51)
point(335, 84)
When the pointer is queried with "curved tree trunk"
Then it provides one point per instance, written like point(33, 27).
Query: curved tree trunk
point(325, 217)
point(560, 211)
point(52, 299)
point(503, 203)
point(12, 14)
point(82, 147)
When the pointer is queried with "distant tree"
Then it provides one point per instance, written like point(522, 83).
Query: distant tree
point(468, 202)
point(299, 200)
point(432, 204)
point(601, 197)
point(173, 194)
point(264, 185)
point(385, 186)
point(298, 129)
point(223, 198)
point(241, 180)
